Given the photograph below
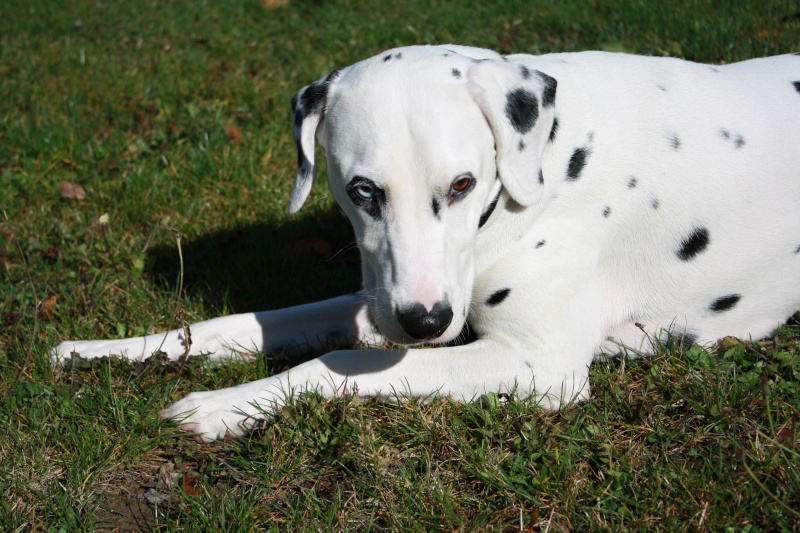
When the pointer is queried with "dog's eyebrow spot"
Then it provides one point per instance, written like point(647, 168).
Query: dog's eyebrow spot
point(632, 181)
point(553, 130)
point(540, 243)
point(522, 109)
point(576, 163)
point(695, 243)
point(456, 73)
point(497, 297)
point(674, 141)
point(725, 303)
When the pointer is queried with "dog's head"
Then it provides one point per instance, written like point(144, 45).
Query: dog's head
point(419, 142)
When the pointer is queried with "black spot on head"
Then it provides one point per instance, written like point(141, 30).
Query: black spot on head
point(739, 141)
point(522, 109)
point(797, 250)
point(540, 243)
point(553, 130)
point(674, 141)
point(725, 303)
point(712, 69)
point(445, 55)
point(521, 145)
point(541, 177)
point(661, 87)
point(725, 134)
point(654, 203)
point(398, 55)
point(524, 72)
point(497, 297)
point(606, 211)
point(695, 243)
point(489, 209)
point(549, 95)
point(796, 85)
point(576, 163)
point(435, 206)
point(387, 57)
point(632, 181)
point(456, 73)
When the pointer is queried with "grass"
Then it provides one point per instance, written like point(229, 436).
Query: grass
point(173, 117)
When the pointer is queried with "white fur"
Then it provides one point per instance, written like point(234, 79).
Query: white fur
point(684, 218)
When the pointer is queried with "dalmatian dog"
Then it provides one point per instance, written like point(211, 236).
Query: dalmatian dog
point(563, 206)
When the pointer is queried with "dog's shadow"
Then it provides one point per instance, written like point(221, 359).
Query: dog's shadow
point(262, 266)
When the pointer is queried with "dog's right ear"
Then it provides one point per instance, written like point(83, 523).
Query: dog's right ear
point(308, 110)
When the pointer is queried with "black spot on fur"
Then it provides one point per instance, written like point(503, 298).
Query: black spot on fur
point(725, 134)
point(549, 95)
point(541, 177)
point(387, 57)
point(522, 109)
point(489, 209)
point(712, 69)
point(435, 206)
point(675, 142)
point(524, 72)
point(796, 86)
point(685, 340)
point(738, 140)
point(445, 55)
point(654, 203)
point(398, 55)
point(540, 243)
point(576, 163)
point(632, 181)
point(725, 303)
point(661, 87)
point(797, 250)
point(692, 245)
point(521, 145)
point(606, 211)
point(456, 73)
point(554, 130)
point(497, 297)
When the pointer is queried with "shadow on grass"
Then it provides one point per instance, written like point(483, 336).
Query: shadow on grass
point(264, 265)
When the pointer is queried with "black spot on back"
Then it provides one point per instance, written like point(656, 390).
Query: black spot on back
point(712, 69)
point(695, 243)
point(737, 140)
point(549, 95)
point(576, 163)
point(725, 303)
point(522, 109)
point(524, 72)
point(540, 243)
point(435, 206)
point(796, 86)
point(387, 57)
point(553, 130)
point(675, 142)
point(521, 145)
point(497, 297)
point(541, 177)
point(797, 250)
point(456, 73)
point(398, 55)
point(606, 211)
point(489, 209)
point(654, 203)
point(632, 181)
point(661, 87)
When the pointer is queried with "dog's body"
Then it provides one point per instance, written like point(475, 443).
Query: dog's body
point(565, 205)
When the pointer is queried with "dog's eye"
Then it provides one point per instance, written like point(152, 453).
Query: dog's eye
point(364, 191)
point(461, 186)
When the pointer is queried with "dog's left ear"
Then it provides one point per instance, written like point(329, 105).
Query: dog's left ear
point(308, 110)
point(519, 104)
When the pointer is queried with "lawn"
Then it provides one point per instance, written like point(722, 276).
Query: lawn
point(146, 161)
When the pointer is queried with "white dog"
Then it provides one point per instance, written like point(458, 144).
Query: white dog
point(563, 205)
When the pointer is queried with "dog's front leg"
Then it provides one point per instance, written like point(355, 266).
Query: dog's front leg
point(317, 326)
point(462, 372)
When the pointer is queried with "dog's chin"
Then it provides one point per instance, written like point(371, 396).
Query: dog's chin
point(396, 335)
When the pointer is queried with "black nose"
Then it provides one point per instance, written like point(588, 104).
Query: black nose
point(421, 324)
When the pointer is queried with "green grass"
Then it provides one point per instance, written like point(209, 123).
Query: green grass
point(174, 116)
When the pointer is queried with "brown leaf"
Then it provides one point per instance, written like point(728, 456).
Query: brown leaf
point(71, 190)
point(272, 4)
point(232, 133)
point(189, 484)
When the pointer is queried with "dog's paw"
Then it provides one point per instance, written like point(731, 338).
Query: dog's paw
point(213, 415)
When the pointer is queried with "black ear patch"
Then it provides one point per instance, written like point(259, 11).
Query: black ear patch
point(522, 110)
point(694, 244)
point(497, 297)
point(726, 303)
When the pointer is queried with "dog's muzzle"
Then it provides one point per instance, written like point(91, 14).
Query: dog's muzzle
point(421, 324)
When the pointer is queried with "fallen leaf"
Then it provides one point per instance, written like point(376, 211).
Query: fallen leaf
point(189, 484)
point(272, 4)
point(232, 133)
point(68, 189)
